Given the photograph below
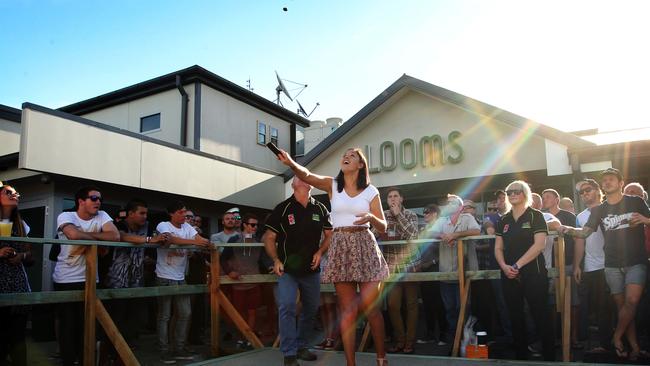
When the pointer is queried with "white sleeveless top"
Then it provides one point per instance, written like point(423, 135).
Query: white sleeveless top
point(345, 208)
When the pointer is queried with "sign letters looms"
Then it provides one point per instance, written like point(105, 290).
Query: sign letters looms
point(428, 152)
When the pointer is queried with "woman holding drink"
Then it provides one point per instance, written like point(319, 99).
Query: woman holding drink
point(13, 278)
point(354, 257)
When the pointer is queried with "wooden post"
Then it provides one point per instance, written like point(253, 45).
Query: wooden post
point(122, 348)
point(464, 297)
point(240, 323)
point(556, 280)
point(566, 323)
point(561, 269)
point(214, 301)
point(461, 265)
point(90, 306)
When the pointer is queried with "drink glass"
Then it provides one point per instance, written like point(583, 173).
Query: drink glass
point(5, 228)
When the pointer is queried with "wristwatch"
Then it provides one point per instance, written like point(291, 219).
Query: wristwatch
point(515, 267)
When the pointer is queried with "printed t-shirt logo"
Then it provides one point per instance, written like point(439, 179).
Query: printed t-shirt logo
point(315, 217)
point(292, 219)
point(505, 228)
point(525, 225)
point(616, 222)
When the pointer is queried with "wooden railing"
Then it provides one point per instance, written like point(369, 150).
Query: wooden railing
point(94, 308)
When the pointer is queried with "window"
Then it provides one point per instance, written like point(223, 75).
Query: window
point(150, 123)
point(274, 135)
point(261, 133)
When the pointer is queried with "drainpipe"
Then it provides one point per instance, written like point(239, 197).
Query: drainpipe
point(184, 100)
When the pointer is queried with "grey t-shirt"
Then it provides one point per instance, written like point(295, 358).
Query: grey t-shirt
point(449, 255)
point(222, 237)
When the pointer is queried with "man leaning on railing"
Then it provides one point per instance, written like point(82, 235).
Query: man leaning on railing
point(87, 222)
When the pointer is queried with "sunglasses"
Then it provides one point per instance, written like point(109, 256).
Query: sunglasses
point(237, 217)
point(511, 192)
point(491, 209)
point(12, 193)
point(586, 190)
point(253, 224)
point(189, 216)
point(94, 198)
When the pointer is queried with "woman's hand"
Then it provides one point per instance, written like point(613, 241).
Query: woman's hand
point(363, 218)
point(6, 252)
point(510, 272)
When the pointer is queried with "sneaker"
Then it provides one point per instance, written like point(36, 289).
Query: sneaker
point(327, 344)
point(306, 355)
point(183, 355)
point(442, 343)
point(291, 361)
point(167, 359)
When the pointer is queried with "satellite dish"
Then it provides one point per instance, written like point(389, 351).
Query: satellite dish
point(301, 110)
point(281, 89)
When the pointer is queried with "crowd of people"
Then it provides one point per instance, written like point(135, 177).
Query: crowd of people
point(305, 244)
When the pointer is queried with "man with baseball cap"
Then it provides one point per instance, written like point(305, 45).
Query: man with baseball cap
point(591, 277)
point(621, 219)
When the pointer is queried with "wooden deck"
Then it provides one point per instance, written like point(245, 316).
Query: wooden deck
point(273, 357)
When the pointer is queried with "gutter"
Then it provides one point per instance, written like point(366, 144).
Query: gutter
point(185, 99)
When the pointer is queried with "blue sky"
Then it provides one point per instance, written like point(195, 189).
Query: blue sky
point(572, 65)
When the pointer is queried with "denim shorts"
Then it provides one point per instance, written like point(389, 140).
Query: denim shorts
point(618, 278)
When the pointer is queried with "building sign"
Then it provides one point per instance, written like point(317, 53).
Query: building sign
point(428, 151)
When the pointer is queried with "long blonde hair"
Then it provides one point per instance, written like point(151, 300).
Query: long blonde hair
point(519, 184)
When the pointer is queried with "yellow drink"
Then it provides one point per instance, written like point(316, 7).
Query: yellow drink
point(5, 228)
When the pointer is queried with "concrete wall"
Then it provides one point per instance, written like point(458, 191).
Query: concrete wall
point(106, 156)
point(489, 147)
point(168, 104)
point(9, 137)
point(229, 129)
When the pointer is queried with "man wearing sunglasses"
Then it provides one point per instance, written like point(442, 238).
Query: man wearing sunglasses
point(591, 278)
point(622, 219)
point(87, 222)
point(244, 260)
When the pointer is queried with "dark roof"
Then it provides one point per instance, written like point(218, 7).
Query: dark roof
point(10, 113)
point(189, 75)
point(459, 100)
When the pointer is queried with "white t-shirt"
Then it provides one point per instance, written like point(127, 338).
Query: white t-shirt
point(548, 250)
point(345, 208)
point(594, 243)
point(171, 263)
point(70, 265)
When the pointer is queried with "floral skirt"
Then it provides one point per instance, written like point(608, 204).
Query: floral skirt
point(354, 256)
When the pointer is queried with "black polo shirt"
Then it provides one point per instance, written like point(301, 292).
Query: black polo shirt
point(299, 232)
point(518, 236)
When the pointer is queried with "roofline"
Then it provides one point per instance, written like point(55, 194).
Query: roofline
point(72, 117)
point(406, 81)
point(189, 75)
point(10, 113)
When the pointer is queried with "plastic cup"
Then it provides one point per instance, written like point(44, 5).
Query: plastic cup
point(5, 228)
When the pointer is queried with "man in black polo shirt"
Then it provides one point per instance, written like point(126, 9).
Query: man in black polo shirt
point(296, 226)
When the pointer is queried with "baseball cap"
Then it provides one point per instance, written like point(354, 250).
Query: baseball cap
point(233, 210)
point(500, 192)
point(612, 171)
point(469, 203)
point(589, 181)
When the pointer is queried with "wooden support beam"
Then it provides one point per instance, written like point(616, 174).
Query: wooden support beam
point(566, 323)
point(561, 266)
point(214, 302)
point(239, 322)
point(461, 264)
point(114, 335)
point(464, 297)
point(90, 306)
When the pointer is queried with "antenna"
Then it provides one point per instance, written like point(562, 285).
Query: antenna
point(248, 84)
point(281, 89)
point(302, 111)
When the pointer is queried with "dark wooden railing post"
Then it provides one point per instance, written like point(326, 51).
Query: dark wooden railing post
point(90, 306)
point(214, 301)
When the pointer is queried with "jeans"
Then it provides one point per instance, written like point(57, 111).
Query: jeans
point(600, 300)
point(71, 325)
point(293, 338)
point(408, 290)
point(450, 293)
point(182, 310)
